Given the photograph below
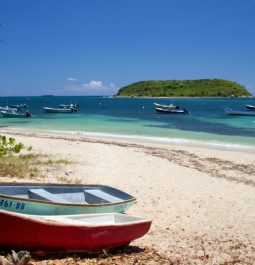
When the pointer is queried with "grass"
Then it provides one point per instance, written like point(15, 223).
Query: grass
point(64, 179)
point(28, 165)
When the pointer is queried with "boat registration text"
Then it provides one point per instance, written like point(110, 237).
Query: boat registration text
point(12, 204)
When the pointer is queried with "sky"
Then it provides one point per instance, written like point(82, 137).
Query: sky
point(95, 47)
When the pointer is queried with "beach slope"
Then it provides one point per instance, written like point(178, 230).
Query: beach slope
point(201, 200)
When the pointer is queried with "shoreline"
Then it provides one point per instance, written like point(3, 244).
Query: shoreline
point(192, 154)
point(201, 200)
point(161, 141)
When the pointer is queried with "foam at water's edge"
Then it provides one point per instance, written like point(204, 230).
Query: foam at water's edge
point(149, 139)
point(179, 141)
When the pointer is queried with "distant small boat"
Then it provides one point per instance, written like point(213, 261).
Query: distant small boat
point(10, 113)
point(57, 199)
point(58, 110)
point(239, 112)
point(171, 106)
point(69, 233)
point(250, 107)
point(171, 111)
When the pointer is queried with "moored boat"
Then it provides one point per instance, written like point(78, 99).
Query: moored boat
point(60, 199)
point(250, 107)
point(239, 112)
point(58, 110)
point(171, 111)
point(11, 113)
point(4, 108)
point(171, 106)
point(69, 233)
point(7, 108)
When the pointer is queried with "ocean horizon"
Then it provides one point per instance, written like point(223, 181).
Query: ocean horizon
point(122, 117)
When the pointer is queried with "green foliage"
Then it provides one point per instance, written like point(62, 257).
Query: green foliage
point(24, 165)
point(29, 165)
point(9, 145)
point(184, 88)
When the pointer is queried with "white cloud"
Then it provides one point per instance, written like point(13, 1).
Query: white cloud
point(93, 87)
point(94, 84)
point(72, 79)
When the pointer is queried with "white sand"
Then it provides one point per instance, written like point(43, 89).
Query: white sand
point(201, 200)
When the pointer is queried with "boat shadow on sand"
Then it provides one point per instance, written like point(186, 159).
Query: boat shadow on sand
point(120, 255)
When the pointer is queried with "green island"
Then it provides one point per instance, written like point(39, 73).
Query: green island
point(184, 88)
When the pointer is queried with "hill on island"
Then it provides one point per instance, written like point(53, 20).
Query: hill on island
point(184, 88)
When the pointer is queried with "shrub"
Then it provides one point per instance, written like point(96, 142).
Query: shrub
point(9, 145)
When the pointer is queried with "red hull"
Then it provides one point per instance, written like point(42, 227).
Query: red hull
point(20, 232)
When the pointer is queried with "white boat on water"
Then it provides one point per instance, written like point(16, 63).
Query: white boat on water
point(171, 106)
point(4, 108)
point(58, 110)
point(250, 107)
point(239, 112)
point(11, 113)
point(171, 111)
point(7, 108)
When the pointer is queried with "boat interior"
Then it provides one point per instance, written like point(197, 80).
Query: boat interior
point(93, 219)
point(96, 194)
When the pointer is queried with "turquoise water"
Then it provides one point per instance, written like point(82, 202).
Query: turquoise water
point(135, 117)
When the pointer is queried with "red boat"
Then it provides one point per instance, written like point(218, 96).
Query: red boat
point(69, 233)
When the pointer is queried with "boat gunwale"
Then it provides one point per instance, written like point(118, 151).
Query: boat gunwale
point(230, 111)
point(60, 203)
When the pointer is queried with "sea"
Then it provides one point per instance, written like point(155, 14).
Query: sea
point(206, 124)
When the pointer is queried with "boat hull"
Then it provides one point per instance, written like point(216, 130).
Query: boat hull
point(171, 111)
point(7, 114)
point(240, 112)
point(251, 107)
point(47, 208)
point(56, 110)
point(14, 203)
point(20, 231)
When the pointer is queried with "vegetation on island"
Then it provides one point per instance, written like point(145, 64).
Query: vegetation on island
point(184, 88)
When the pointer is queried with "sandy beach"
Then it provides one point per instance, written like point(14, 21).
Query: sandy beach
point(201, 200)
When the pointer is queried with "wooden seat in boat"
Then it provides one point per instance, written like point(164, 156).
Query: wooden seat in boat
point(98, 196)
point(42, 194)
